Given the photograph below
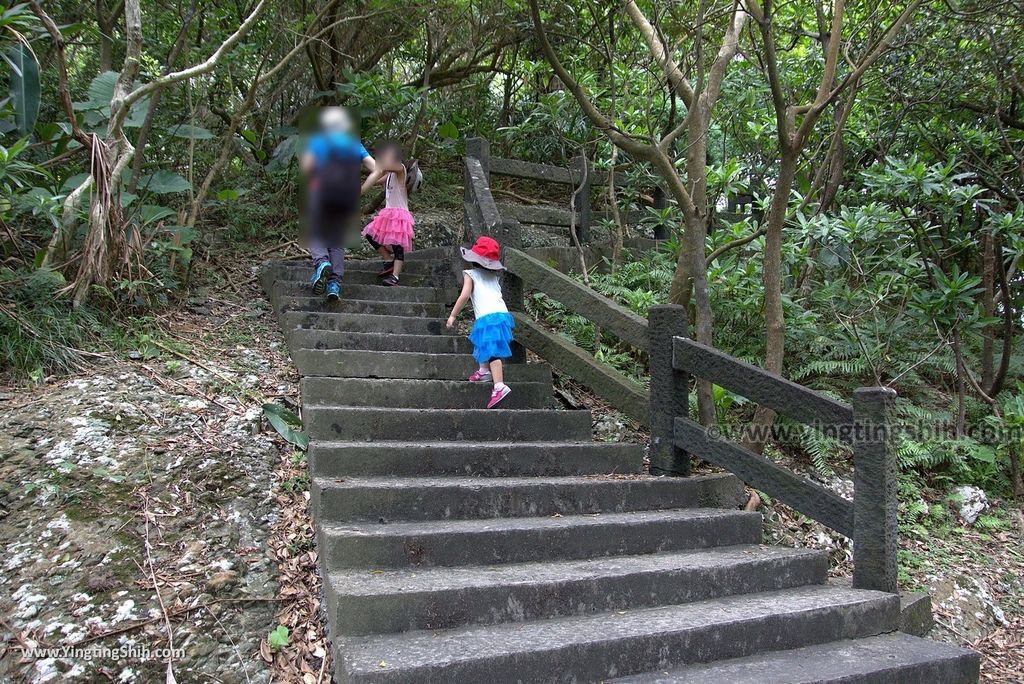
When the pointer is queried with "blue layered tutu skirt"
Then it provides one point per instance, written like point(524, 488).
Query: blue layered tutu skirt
point(491, 335)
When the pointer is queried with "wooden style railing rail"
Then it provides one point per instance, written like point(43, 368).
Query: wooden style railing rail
point(579, 176)
point(869, 519)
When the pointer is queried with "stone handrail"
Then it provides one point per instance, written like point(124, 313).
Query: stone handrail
point(869, 520)
point(484, 218)
point(523, 271)
point(603, 312)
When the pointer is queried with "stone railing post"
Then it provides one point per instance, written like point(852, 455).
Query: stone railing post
point(669, 389)
point(582, 198)
point(481, 149)
point(875, 499)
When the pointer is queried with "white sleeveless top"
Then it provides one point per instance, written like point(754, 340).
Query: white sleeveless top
point(486, 296)
point(395, 194)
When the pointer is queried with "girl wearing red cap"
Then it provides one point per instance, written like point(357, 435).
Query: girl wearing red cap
point(492, 331)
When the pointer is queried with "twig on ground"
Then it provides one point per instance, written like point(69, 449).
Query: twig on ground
point(190, 390)
point(193, 361)
point(156, 585)
point(283, 246)
point(234, 646)
point(172, 613)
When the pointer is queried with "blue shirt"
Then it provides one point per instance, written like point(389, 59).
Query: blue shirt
point(336, 145)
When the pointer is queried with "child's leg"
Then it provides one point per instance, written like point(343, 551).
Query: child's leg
point(383, 250)
point(319, 254)
point(501, 390)
point(399, 253)
point(321, 268)
point(497, 371)
point(337, 257)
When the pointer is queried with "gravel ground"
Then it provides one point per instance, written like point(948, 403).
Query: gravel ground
point(140, 496)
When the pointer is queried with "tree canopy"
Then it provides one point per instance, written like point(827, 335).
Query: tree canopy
point(879, 145)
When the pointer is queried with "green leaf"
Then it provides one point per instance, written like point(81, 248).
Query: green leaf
point(286, 424)
point(154, 212)
point(278, 639)
point(24, 87)
point(100, 93)
point(164, 182)
point(983, 453)
point(101, 90)
point(193, 132)
point(449, 131)
point(72, 182)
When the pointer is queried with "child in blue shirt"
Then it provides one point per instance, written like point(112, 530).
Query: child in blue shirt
point(331, 163)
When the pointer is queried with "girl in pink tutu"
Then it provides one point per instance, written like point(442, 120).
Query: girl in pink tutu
point(391, 230)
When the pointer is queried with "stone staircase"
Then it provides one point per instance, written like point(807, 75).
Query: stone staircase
point(462, 545)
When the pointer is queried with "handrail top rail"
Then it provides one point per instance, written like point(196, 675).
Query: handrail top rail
point(830, 416)
point(564, 175)
point(604, 312)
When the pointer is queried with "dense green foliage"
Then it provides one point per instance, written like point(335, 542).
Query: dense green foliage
point(902, 237)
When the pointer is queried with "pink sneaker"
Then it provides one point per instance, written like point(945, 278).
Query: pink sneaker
point(497, 395)
point(479, 376)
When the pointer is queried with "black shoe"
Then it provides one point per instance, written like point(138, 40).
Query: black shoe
point(389, 280)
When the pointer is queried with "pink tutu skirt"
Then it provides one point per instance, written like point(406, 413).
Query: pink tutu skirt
point(392, 226)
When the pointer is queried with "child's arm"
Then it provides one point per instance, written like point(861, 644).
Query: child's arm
point(375, 176)
point(467, 290)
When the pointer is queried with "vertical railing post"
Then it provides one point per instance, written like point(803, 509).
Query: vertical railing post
point(481, 149)
point(660, 202)
point(669, 389)
point(581, 181)
point(875, 498)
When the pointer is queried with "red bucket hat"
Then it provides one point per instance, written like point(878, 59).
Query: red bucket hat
point(486, 252)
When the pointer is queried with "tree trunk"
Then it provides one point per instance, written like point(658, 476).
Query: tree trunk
point(988, 333)
point(105, 25)
point(774, 316)
point(961, 386)
point(695, 242)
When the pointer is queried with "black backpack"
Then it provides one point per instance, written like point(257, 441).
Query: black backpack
point(339, 182)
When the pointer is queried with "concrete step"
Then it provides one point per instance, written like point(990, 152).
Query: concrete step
point(487, 459)
point(388, 499)
point(450, 543)
point(418, 266)
point(883, 659)
point(303, 272)
point(596, 647)
point(370, 423)
point(360, 306)
point(404, 293)
point(359, 363)
point(308, 338)
point(377, 602)
point(427, 394)
point(366, 323)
